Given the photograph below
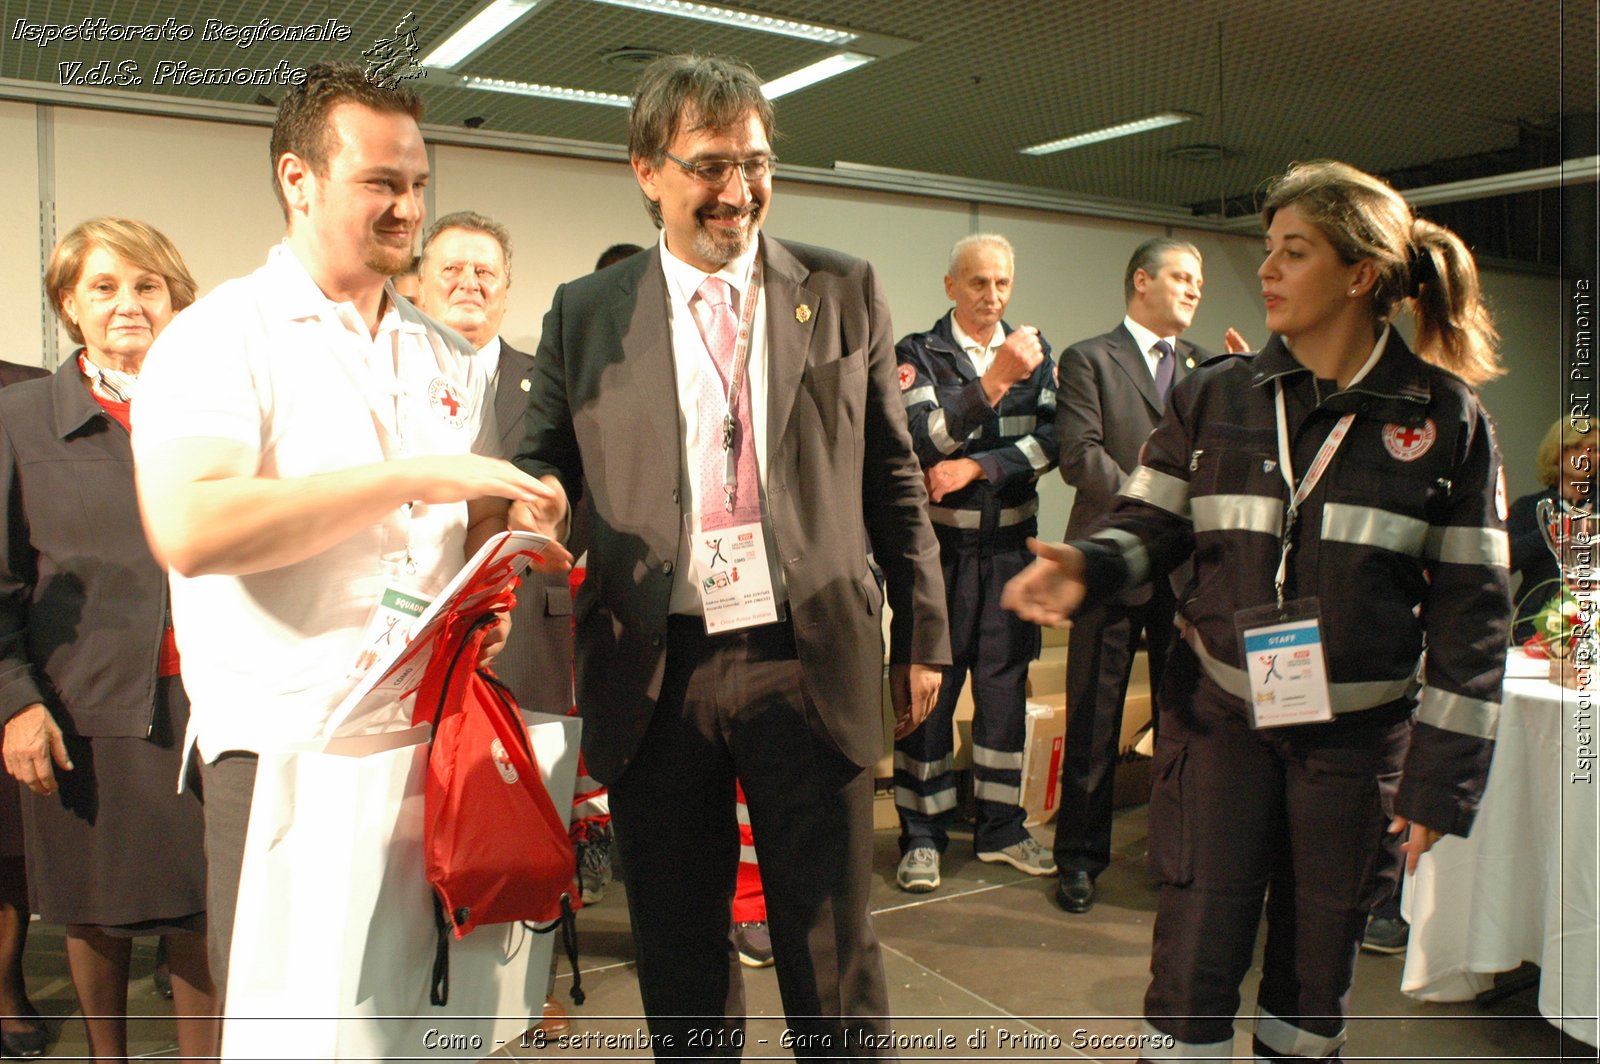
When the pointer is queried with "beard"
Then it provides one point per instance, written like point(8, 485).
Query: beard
point(721, 246)
point(386, 260)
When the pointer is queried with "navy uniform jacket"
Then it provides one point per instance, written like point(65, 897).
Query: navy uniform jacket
point(950, 417)
point(1402, 542)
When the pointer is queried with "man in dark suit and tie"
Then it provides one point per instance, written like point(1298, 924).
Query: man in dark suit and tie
point(1112, 390)
point(466, 275)
point(725, 408)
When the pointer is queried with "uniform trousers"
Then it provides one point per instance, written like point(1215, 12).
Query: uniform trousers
point(995, 646)
point(749, 900)
point(735, 706)
point(1293, 815)
point(1100, 652)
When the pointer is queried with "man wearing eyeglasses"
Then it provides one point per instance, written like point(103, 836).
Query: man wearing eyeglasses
point(728, 390)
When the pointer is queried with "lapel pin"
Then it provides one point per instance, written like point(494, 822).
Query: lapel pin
point(1188, 363)
point(802, 314)
point(526, 384)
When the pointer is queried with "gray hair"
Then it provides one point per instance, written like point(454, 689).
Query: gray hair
point(472, 222)
point(975, 240)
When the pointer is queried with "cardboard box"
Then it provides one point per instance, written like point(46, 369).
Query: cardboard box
point(1045, 735)
point(883, 811)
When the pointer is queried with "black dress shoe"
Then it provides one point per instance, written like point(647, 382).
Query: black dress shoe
point(24, 1045)
point(1075, 892)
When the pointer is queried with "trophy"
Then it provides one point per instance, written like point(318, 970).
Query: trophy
point(1573, 535)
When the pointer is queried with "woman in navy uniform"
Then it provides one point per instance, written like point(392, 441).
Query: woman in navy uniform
point(1336, 477)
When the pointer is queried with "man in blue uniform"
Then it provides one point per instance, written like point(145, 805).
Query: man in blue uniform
point(980, 398)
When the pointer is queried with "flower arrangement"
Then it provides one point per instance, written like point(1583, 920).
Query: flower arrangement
point(1556, 627)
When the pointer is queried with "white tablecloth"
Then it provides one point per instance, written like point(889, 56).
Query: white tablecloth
point(1523, 886)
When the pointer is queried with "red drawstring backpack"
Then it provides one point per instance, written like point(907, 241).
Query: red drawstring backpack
point(495, 848)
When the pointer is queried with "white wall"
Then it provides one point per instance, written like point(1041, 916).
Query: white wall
point(20, 306)
point(561, 212)
point(206, 184)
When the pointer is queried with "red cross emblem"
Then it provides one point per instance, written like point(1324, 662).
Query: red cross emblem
point(908, 376)
point(446, 402)
point(1407, 443)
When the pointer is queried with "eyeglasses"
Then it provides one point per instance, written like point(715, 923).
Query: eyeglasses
point(718, 172)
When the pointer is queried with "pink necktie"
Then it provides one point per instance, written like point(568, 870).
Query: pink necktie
point(719, 326)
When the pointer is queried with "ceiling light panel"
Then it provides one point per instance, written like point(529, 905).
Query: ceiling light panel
point(725, 16)
point(478, 31)
point(545, 92)
point(822, 70)
point(1121, 129)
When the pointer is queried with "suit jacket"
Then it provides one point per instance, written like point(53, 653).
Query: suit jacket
point(536, 662)
point(1106, 406)
point(603, 408)
point(15, 373)
point(83, 604)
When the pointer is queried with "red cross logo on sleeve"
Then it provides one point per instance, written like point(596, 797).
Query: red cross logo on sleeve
point(445, 401)
point(1407, 443)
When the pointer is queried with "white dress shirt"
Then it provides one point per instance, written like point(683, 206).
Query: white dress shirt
point(690, 361)
point(1147, 341)
point(982, 355)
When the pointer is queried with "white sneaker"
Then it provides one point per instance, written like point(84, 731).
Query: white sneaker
point(919, 870)
point(1025, 856)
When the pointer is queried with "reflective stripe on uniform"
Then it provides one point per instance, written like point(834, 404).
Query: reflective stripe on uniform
point(1458, 713)
point(1238, 513)
point(925, 394)
point(1369, 526)
point(1047, 397)
point(939, 433)
point(929, 804)
point(923, 770)
point(952, 518)
point(997, 759)
point(990, 791)
point(1346, 697)
point(1132, 549)
point(1033, 452)
point(1020, 425)
point(1158, 1047)
point(1463, 545)
point(1285, 1039)
point(1164, 492)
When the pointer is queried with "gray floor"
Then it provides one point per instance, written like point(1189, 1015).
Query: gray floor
point(988, 956)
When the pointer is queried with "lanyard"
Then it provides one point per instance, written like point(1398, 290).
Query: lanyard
point(1298, 495)
point(736, 374)
point(383, 398)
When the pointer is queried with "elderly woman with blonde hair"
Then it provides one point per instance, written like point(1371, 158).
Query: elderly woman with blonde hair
point(93, 705)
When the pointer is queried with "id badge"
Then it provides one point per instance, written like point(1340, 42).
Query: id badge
point(390, 625)
point(1285, 664)
point(733, 578)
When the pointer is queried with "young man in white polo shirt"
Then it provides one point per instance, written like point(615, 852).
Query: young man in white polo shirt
point(304, 443)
